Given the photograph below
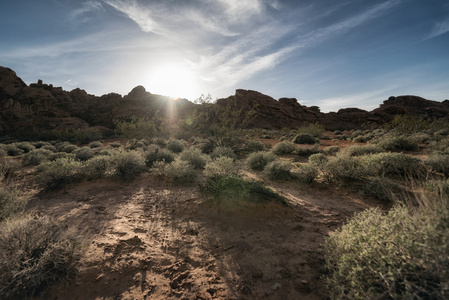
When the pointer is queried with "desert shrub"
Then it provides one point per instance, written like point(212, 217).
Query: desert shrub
point(221, 166)
point(442, 132)
point(254, 146)
point(25, 146)
point(223, 151)
point(399, 255)
point(83, 153)
point(136, 128)
point(305, 138)
point(40, 144)
point(151, 155)
point(356, 134)
point(36, 157)
point(284, 147)
point(97, 166)
point(65, 147)
point(3, 153)
point(49, 148)
point(338, 132)
point(165, 156)
point(10, 204)
point(234, 189)
point(383, 188)
point(306, 173)
point(195, 158)
point(440, 187)
point(175, 146)
point(207, 146)
point(438, 163)
point(128, 164)
point(115, 145)
point(318, 159)
point(258, 160)
point(358, 150)
point(420, 137)
point(397, 143)
point(314, 129)
point(277, 170)
point(347, 169)
point(57, 174)
point(441, 146)
point(96, 144)
point(306, 152)
point(332, 150)
point(344, 137)
point(13, 150)
point(180, 171)
point(58, 155)
point(388, 164)
point(34, 252)
point(406, 124)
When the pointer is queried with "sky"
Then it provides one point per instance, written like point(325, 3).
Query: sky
point(332, 54)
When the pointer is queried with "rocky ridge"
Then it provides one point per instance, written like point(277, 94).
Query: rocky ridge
point(45, 107)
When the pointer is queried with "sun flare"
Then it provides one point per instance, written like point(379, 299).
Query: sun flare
point(174, 81)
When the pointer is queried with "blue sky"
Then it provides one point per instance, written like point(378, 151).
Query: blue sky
point(333, 54)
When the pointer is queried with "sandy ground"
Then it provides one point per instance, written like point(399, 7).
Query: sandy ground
point(150, 239)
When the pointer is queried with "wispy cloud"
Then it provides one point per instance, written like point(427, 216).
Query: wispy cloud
point(87, 7)
point(439, 29)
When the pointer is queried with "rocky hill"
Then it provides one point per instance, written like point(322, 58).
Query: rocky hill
point(42, 106)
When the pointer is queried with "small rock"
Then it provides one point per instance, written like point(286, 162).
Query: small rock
point(257, 273)
point(275, 286)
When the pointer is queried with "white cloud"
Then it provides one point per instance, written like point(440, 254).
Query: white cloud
point(88, 6)
point(439, 29)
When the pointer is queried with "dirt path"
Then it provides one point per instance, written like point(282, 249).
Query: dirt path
point(149, 239)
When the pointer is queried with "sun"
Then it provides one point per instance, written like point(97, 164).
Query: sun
point(176, 81)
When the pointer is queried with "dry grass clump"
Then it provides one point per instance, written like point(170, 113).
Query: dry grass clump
point(10, 204)
point(359, 150)
point(34, 252)
point(383, 188)
point(391, 164)
point(439, 163)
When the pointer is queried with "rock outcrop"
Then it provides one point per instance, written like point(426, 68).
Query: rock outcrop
point(41, 106)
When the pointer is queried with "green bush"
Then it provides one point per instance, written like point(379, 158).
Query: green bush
point(223, 151)
point(136, 128)
point(97, 166)
point(96, 144)
point(283, 148)
point(10, 204)
point(332, 150)
point(347, 169)
point(277, 170)
point(128, 164)
point(358, 150)
point(195, 158)
point(65, 147)
point(57, 174)
point(388, 164)
point(175, 146)
point(398, 143)
point(180, 171)
point(438, 163)
point(25, 146)
point(254, 146)
point(305, 138)
point(314, 129)
point(234, 189)
point(221, 166)
point(36, 157)
point(258, 160)
point(58, 155)
point(207, 146)
point(13, 150)
point(154, 154)
point(49, 148)
point(400, 255)
point(40, 144)
point(83, 153)
point(34, 252)
point(115, 145)
point(318, 159)
point(306, 173)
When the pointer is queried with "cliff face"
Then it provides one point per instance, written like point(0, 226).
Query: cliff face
point(42, 106)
